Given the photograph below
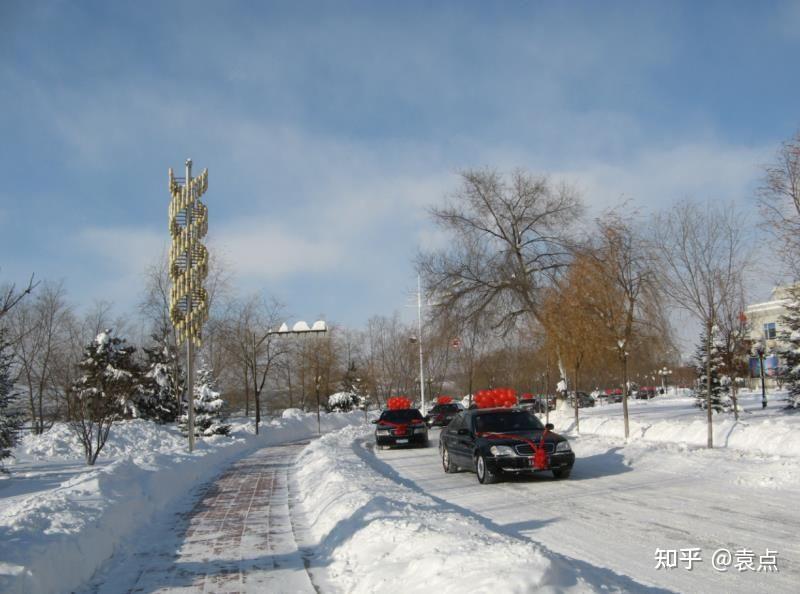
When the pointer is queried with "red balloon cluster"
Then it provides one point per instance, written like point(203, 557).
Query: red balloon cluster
point(496, 398)
point(444, 400)
point(398, 403)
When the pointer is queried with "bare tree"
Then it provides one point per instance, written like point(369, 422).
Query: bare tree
point(703, 260)
point(779, 201)
point(11, 296)
point(621, 288)
point(40, 338)
point(253, 345)
point(509, 239)
point(391, 359)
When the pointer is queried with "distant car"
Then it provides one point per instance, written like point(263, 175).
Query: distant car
point(584, 400)
point(441, 414)
point(497, 442)
point(404, 427)
point(613, 395)
point(538, 404)
point(646, 392)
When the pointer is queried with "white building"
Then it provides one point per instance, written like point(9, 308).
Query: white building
point(764, 320)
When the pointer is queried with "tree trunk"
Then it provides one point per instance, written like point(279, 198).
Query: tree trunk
point(575, 386)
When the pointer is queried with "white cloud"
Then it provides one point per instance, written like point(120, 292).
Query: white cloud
point(659, 176)
point(259, 249)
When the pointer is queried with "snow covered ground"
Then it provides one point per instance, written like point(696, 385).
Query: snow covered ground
point(392, 520)
point(673, 418)
point(59, 519)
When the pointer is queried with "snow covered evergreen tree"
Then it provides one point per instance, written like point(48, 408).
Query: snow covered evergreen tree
point(720, 385)
point(103, 393)
point(208, 407)
point(350, 394)
point(10, 420)
point(159, 390)
point(342, 402)
point(788, 347)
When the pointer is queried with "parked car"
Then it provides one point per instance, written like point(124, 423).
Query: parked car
point(613, 395)
point(646, 392)
point(498, 442)
point(441, 414)
point(538, 404)
point(404, 427)
point(584, 400)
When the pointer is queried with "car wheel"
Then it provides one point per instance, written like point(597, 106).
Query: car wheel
point(485, 476)
point(562, 473)
point(447, 462)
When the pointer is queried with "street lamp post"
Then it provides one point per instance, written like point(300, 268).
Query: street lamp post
point(317, 382)
point(300, 328)
point(664, 372)
point(419, 325)
point(761, 350)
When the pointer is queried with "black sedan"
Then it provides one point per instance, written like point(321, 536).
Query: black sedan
point(499, 442)
point(441, 414)
point(401, 427)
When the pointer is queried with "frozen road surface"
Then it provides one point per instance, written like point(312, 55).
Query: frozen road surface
point(622, 504)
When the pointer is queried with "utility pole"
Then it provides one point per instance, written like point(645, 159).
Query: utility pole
point(419, 324)
point(188, 267)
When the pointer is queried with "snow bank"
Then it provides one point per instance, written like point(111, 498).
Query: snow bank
point(53, 540)
point(677, 420)
point(373, 534)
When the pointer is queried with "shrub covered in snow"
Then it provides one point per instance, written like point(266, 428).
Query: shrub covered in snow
point(789, 347)
point(720, 385)
point(209, 418)
point(103, 393)
point(343, 401)
point(161, 384)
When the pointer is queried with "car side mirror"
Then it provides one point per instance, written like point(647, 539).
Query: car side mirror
point(549, 426)
point(374, 421)
point(463, 431)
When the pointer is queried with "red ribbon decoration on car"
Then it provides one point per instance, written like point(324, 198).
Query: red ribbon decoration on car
point(539, 454)
point(401, 428)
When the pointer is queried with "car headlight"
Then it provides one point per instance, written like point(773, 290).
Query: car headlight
point(382, 432)
point(563, 446)
point(420, 430)
point(501, 451)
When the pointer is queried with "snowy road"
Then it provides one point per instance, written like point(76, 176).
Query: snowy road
point(237, 537)
point(623, 503)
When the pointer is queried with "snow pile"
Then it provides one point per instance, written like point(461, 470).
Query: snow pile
point(55, 535)
point(372, 533)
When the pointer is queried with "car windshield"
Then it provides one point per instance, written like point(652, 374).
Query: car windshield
point(401, 416)
point(506, 422)
point(442, 408)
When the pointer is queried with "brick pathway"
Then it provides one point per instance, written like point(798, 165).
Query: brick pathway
point(238, 538)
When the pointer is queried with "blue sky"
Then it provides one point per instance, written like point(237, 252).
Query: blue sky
point(329, 127)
